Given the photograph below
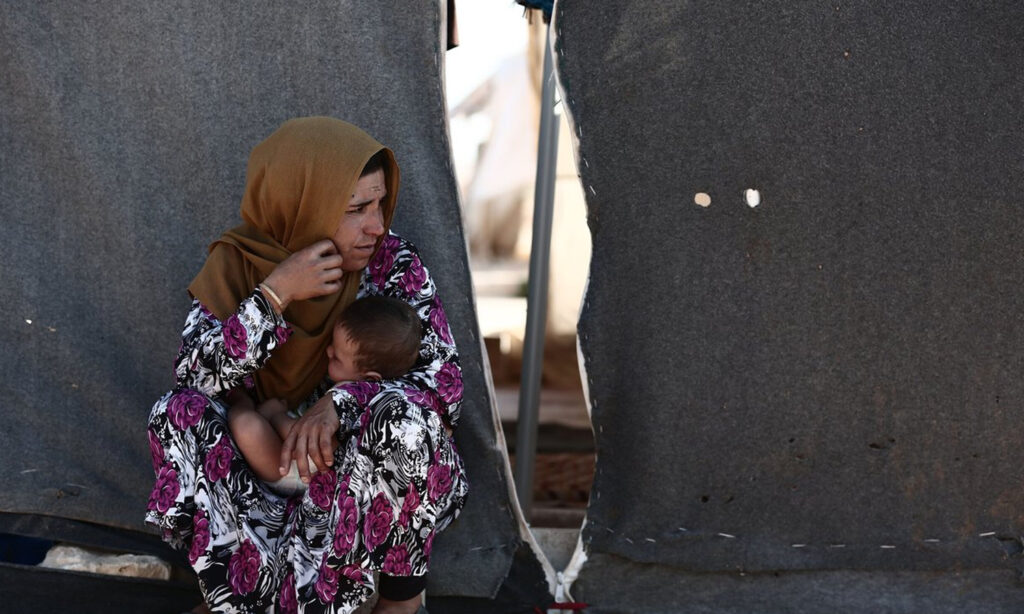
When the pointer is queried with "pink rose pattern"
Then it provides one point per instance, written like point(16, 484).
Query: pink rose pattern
point(353, 573)
point(321, 488)
point(396, 561)
point(383, 261)
point(412, 501)
point(235, 338)
point(156, 451)
point(218, 459)
point(282, 333)
point(185, 408)
point(200, 537)
point(287, 598)
point(326, 584)
point(362, 391)
point(439, 321)
point(348, 520)
point(424, 398)
point(414, 278)
point(244, 568)
point(449, 383)
point(165, 491)
point(377, 524)
point(195, 480)
point(439, 481)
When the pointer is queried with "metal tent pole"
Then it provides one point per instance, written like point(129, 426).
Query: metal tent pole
point(537, 298)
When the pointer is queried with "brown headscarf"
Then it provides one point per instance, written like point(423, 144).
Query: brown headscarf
point(297, 188)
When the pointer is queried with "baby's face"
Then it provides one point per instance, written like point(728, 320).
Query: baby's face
point(341, 355)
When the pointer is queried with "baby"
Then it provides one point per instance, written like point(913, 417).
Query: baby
point(375, 338)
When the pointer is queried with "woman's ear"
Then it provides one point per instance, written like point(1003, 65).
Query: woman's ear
point(372, 376)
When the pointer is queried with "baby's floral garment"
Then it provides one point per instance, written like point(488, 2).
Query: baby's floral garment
point(397, 478)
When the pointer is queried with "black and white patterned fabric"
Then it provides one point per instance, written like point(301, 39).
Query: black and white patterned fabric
point(396, 481)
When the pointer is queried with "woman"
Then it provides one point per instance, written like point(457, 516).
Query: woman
point(318, 203)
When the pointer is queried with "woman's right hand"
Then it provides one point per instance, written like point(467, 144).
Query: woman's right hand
point(308, 273)
point(312, 437)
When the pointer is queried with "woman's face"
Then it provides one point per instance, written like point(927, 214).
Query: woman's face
point(363, 222)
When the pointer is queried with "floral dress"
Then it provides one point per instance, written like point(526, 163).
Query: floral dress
point(396, 481)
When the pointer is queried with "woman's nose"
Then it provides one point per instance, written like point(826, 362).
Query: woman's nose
point(375, 224)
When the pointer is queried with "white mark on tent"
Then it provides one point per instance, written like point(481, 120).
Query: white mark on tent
point(592, 190)
point(753, 198)
point(75, 386)
point(727, 536)
point(586, 163)
point(629, 540)
point(648, 539)
point(887, 547)
point(51, 329)
point(683, 530)
point(27, 321)
point(837, 545)
point(932, 541)
point(29, 471)
point(989, 534)
point(799, 545)
point(703, 199)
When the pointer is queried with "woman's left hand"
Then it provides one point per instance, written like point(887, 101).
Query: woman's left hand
point(313, 436)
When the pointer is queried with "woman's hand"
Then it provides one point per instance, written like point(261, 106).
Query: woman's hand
point(313, 436)
point(308, 273)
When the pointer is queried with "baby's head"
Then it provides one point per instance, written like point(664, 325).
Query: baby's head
point(376, 337)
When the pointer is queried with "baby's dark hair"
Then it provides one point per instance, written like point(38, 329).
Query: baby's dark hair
point(386, 332)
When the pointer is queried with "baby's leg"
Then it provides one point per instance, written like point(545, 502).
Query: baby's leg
point(257, 440)
point(280, 420)
point(277, 414)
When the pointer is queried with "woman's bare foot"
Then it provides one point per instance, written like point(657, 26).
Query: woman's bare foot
point(387, 606)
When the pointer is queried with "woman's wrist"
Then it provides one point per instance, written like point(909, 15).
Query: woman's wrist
point(276, 299)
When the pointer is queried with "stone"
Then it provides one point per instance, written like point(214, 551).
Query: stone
point(74, 558)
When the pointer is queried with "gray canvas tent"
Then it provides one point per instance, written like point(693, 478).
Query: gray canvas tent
point(807, 405)
point(124, 133)
point(811, 405)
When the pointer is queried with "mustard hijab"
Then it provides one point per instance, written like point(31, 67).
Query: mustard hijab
point(297, 188)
